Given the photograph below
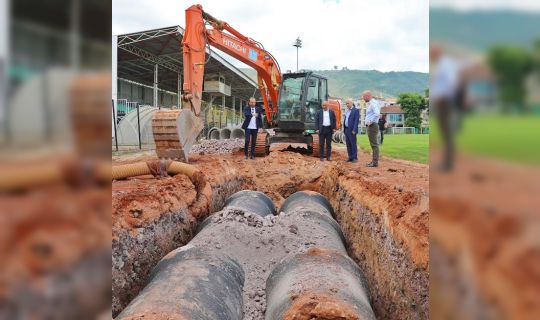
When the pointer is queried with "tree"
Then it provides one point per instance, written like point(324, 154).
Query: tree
point(511, 65)
point(413, 104)
point(335, 67)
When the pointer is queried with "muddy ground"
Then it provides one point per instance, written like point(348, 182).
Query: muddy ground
point(484, 244)
point(383, 213)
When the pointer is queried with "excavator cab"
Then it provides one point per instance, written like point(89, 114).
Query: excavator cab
point(300, 99)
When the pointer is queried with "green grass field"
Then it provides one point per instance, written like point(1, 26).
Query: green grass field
point(514, 138)
point(413, 147)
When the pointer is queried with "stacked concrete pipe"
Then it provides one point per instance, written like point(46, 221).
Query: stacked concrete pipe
point(213, 134)
point(224, 133)
point(335, 136)
point(338, 136)
point(237, 133)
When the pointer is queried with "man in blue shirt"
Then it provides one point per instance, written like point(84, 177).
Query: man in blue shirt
point(373, 112)
point(350, 125)
point(252, 124)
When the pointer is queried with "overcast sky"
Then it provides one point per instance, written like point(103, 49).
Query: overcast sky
point(488, 4)
point(386, 35)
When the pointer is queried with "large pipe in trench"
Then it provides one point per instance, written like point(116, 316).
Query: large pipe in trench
point(194, 284)
point(190, 284)
point(250, 201)
point(322, 283)
point(318, 284)
point(307, 199)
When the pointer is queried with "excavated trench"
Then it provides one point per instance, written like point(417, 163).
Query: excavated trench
point(383, 219)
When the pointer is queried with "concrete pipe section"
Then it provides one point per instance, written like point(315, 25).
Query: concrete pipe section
point(213, 134)
point(307, 200)
point(224, 133)
point(251, 201)
point(334, 136)
point(317, 284)
point(315, 209)
point(190, 284)
point(238, 133)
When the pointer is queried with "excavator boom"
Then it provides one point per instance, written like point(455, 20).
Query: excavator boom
point(175, 131)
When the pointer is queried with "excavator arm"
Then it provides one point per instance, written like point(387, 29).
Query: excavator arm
point(227, 39)
point(175, 131)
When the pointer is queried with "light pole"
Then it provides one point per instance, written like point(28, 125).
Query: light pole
point(297, 44)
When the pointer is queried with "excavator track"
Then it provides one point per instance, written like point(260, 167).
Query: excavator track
point(262, 145)
point(315, 145)
point(175, 131)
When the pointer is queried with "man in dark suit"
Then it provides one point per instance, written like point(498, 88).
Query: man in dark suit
point(252, 124)
point(350, 124)
point(326, 125)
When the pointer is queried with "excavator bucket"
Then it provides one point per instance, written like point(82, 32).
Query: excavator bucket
point(175, 131)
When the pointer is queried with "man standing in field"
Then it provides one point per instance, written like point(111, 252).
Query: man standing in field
point(373, 112)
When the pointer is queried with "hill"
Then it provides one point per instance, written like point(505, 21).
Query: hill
point(478, 30)
point(351, 83)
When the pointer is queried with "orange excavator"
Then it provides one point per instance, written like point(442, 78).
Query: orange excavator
point(291, 100)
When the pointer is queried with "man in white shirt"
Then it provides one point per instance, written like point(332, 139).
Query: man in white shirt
point(326, 125)
point(252, 124)
point(373, 112)
point(443, 91)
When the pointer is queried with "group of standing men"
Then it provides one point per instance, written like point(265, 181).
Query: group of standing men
point(326, 125)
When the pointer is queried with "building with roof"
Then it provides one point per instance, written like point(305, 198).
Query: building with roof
point(395, 116)
point(148, 70)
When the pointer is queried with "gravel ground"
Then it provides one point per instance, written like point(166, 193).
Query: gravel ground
point(259, 244)
point(217, 146)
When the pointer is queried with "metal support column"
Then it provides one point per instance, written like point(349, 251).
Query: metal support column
point(139, 126)
point(114, 84)
point(74, 35)
point(114, 123)
point(223, 108)
point(155, 85)
point(234, 109)
point(179, 91)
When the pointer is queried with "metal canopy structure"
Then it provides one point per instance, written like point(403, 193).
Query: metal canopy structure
point(139, 53)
